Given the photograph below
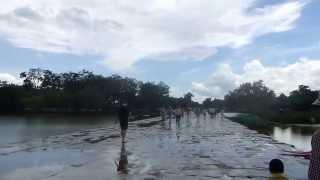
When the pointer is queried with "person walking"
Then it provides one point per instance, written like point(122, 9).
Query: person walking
point(178, 114)
point(123, 119)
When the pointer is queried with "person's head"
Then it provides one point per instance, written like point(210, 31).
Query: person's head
point(276, 166)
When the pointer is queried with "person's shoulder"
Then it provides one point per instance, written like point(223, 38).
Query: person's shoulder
point(316, 135)
point(317, 132)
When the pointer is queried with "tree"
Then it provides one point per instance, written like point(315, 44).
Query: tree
point(153, 95)
point(282, 102)
point(10, 98)
point(188, 99)
point(250, 97)
point(30, 78)
point(3, 83)
point(302, 98)
point(216, 103)
point(207, 103)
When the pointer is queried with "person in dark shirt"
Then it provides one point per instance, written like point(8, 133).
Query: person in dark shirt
point(123, 119)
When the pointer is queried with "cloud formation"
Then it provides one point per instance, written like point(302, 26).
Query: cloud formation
point(124, 32)
point(9, 78)
point(281, 79)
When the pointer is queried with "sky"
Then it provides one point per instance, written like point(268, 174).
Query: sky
point(207, 47)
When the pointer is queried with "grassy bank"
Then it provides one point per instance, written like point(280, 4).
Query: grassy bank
point(294, 117)
point(264, 123)
point(253, 122)
point(263, 118)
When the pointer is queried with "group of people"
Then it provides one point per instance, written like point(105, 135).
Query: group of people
point(276, 166)
point(179, 112)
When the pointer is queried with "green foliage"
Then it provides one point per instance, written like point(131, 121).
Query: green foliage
point(293, 116)
point(302, 98)
point(34, 103)
point(44, 90)
point(10, 98)
point(252, 121)
point(153, 95)
point(250, 97)
point(188, 99)
point(256, 98)
point(216, 103)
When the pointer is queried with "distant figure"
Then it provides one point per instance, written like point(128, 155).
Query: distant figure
point(222, 114)
point(177, 113)
point(314, 167)
point(276, 169)
point(212, 112)
point(170, 112)
point(189, 109)
point(197, 112)
point(204, 113)
point(123, 119)
point(122, 166)
point(163, 113)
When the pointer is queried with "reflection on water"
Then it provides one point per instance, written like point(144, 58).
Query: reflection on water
point(19, 128)
point(297, 135)
point(23, 128)
point(122, 165)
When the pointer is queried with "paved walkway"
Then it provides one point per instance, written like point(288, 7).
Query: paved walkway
point(196, 148)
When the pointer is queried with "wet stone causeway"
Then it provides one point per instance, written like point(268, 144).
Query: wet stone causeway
point(194, 148)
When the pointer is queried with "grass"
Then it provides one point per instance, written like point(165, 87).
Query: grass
point(253, 122)
point(264, 122)
point(291, 117)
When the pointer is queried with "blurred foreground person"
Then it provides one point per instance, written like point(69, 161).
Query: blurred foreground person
point(123, 119)
point(276, 169)
point(314, 167)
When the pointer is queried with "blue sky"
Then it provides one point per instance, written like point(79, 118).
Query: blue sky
point(206, 47)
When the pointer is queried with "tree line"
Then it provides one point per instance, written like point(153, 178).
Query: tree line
point(256, 98)
point(45, 91)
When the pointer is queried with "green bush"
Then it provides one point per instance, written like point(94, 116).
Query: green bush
point(252, 121)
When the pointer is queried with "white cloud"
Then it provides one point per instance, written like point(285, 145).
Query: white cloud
point(124, 32)
point(281, 79)
point(9, 78)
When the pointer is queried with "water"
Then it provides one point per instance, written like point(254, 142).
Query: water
point(15, 129)
point(23, 128)
point(298, 135)
point(192, 148)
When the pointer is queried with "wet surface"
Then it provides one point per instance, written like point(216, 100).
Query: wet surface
point(295, 134)
point(194, 148)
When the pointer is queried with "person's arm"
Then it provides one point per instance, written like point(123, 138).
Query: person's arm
point(305, 154)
